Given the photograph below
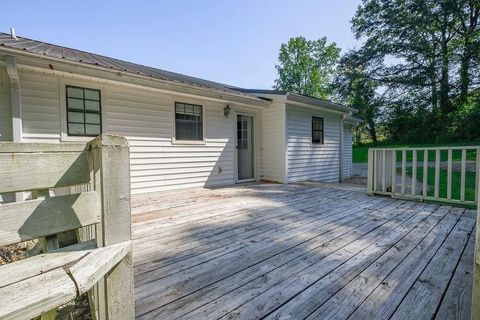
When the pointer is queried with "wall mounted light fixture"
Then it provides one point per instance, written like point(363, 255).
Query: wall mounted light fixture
point(226, 111)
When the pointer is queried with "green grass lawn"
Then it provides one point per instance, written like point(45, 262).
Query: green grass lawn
point(360, 154)
point(469, 183)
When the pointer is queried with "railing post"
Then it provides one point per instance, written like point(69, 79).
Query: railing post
point(476, 267)
point(394, 171)
point(110, 165)
point(371, 171)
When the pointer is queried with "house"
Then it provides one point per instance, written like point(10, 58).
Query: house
point(183, 131)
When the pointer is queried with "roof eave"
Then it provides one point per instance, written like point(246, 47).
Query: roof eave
point(293, 97)
point(244, 97)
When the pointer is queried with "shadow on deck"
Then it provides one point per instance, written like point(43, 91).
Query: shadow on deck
point(305, 251)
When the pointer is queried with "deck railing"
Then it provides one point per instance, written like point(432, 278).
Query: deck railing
point(101, 267)
point(476, 269)
point(445, 174)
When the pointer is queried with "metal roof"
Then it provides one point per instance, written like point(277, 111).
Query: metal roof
point(79, 56)
point(44, 49)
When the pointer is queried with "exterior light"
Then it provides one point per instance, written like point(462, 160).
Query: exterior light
point(226, 111)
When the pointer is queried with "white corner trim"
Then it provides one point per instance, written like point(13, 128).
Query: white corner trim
point(16, 98)
point(342, 147)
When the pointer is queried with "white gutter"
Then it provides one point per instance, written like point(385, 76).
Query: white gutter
point(324, 104)
point(16, 98)
point(36, 61)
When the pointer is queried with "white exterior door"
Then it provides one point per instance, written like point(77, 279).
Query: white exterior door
point(245, 148)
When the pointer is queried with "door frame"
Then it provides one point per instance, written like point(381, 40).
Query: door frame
point(254, 164)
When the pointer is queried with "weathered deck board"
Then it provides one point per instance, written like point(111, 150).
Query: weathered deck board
point(458, 298)
point(298, 251)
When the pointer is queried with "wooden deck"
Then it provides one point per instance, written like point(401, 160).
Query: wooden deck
point(299, 252)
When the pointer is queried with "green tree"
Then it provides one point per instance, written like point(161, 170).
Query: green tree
point(354, 88)
point(466, 27)
point(424, 54)
point(307, 67)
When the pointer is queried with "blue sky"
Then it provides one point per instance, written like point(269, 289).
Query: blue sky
point(234, 42)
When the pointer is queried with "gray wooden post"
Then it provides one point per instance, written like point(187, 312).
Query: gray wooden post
point(110, 166)
point(476, 266)
point(370, 173)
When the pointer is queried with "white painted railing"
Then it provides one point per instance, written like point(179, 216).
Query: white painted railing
point(445, 174)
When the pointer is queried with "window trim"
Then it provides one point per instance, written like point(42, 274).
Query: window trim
point(321, 143)
point(67, 110)
point(62, 87)
point(174, 131)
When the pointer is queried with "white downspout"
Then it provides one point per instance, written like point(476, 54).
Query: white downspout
point(15, 95)
point(341, 147)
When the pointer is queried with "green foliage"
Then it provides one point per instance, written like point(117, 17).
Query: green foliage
point(425, 57)
point(464, 123)
point(414, 79)
point(355, 89)
point(360, 152)
point(307, 67)
point(456, 180)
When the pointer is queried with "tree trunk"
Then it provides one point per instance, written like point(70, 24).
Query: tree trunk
point(464, 77)
point(445, 105)
point(433, 81)
point(372, 131)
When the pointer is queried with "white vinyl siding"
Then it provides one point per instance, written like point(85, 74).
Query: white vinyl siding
point(5, 107)
point(273, 165)
point(347, 151)
point(307, 161)
point(146, 119)
point(40, 107)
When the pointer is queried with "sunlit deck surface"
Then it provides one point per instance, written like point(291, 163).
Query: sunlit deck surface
point(299, 252)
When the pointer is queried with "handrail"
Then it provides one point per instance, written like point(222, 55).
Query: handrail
point(427, 148)
point(44, 282)
point(425, 173)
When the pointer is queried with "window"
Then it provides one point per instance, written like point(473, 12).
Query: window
point(317, 130)
point(188, 121)
point(84, 116)
point(242, 133)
